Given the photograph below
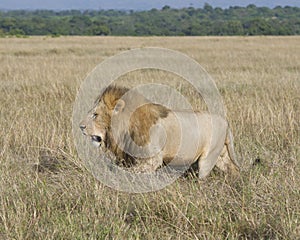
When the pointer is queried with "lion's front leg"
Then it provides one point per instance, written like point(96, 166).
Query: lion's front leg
point(147, 165)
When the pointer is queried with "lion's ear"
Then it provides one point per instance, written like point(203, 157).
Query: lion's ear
point(119, 106)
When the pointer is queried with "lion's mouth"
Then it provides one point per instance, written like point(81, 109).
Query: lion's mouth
point(96, 140)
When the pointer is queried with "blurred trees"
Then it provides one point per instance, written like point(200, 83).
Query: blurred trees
point(250, 20)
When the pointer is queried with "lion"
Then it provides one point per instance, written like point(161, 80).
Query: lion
point(145, 136)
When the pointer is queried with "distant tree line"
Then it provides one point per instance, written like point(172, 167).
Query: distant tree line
point(250, 20)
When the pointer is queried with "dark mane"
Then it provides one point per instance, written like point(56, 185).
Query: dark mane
point(115, 91)
point(111, 95)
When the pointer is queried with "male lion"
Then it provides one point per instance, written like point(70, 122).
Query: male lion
point(144, 135)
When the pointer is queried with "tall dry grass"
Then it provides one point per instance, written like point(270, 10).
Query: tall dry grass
point(46, 192)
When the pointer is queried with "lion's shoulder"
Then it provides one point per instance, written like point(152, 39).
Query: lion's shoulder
point(143, 119)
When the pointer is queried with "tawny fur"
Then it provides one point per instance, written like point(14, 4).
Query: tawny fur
point(143, 116)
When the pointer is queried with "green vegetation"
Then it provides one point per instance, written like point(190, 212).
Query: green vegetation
point(250, 20)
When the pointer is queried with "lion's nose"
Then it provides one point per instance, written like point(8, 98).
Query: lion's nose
point(82, 127)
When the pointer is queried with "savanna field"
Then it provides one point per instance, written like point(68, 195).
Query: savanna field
point(46, 192)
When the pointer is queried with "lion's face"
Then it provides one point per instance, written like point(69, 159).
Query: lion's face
point(96, 124)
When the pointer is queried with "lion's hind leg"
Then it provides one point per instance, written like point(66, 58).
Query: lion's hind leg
point(226, 164)
point(207, 162)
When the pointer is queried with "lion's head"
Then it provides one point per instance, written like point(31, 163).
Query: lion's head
point(134, 115)
point(96, 124)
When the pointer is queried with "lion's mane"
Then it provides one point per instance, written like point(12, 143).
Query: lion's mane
point(141, 120)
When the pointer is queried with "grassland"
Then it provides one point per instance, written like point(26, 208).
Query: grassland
point(47, 193)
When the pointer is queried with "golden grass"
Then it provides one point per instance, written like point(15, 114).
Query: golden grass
point(46, 192)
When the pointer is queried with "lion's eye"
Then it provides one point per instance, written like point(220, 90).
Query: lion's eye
point(94, 115)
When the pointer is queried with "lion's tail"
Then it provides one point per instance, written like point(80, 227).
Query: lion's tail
point(230, 148)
